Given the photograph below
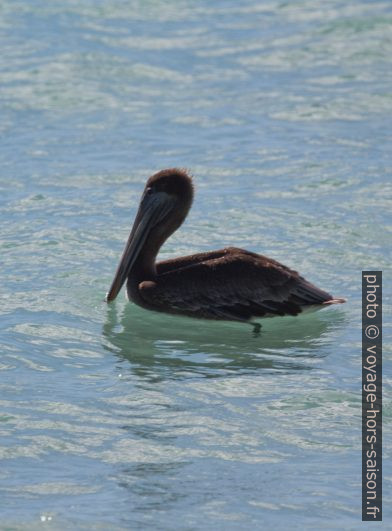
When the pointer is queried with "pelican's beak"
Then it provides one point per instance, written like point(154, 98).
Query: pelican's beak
point(153, 208)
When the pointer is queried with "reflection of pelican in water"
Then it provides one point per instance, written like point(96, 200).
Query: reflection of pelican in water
point(229, 284)
point(200, 350)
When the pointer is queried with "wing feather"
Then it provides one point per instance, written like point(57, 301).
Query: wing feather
point(230, 284)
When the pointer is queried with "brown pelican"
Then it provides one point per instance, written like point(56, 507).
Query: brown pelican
point(229, 284)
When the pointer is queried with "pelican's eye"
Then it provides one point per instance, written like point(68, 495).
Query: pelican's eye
point(149, 190)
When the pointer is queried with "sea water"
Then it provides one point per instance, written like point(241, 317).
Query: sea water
point(113, 417)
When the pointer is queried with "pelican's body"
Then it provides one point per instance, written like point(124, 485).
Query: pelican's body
point(228, 284)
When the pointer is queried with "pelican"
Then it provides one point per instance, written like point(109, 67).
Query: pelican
point(229, 284)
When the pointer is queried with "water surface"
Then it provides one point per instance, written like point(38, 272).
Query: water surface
point(114, 417)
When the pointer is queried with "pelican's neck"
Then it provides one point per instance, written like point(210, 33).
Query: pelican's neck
point(144, 267)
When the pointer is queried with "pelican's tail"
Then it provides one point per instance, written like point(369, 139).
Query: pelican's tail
point(335, 301)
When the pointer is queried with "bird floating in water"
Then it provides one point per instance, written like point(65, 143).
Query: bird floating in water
point(229, 284)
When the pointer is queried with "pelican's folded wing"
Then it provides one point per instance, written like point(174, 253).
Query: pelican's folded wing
point(237, 285)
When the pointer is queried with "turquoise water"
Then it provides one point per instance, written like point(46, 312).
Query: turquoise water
point(119, 418)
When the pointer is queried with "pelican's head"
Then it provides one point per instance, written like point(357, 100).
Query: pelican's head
point(166, 200)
